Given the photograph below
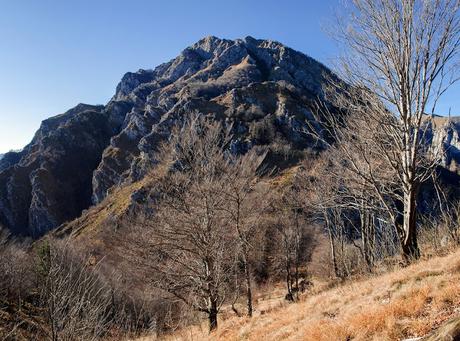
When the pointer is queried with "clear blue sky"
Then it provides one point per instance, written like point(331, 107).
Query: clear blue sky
point(56, 54)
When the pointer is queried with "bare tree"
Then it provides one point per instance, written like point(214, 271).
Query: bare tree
point(402, 59)
point(348, 209)
point(75, 299)
point(190, 238)
point(245, 202)
point(294, 240)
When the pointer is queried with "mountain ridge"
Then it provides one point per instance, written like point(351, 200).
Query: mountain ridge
point(77, 158)
point(262, 89)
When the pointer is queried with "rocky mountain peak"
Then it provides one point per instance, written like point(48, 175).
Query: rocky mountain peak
point(212, 58)
point(209, 46)
point(262, 89)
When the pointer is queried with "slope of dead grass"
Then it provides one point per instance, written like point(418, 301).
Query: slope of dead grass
point(404, 303)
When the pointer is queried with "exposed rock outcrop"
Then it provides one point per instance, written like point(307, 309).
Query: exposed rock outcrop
point(49, 181)
point(445, 133)
point(260, 89)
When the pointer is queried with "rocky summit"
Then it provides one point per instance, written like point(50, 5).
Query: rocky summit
point(262, 90)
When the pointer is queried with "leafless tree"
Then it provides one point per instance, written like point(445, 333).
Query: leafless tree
point(245, 202)
point(350, 212)
point(402, 58)
point(75, 299)
point(294, 239)
point(191, 243)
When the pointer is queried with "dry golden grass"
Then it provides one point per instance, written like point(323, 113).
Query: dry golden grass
point(404, 303)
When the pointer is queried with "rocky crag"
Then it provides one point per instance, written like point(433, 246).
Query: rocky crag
point(260, 88)
point(444, 132)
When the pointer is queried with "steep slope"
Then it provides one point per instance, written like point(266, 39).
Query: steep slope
point(49, 181)
point(402, 304)
point(261, 89)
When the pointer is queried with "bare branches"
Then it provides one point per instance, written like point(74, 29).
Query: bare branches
point(75, 299)
point(190, 236)
point(402, 57)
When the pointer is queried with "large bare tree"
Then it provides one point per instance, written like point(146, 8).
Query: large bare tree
point(402, 57)
point(191, 242)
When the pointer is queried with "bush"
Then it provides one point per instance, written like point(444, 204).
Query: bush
point(75, 298)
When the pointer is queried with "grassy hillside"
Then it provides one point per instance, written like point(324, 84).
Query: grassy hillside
point(404, 303)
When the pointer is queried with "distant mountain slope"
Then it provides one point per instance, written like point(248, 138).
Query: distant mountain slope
point(50, 180)
point(260, 88)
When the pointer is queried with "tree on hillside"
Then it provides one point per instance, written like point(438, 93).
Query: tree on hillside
point(190, 238)
point(347, 204)
point(294, 239)
point(200, 235)
point(245, 202)
point(402, 59)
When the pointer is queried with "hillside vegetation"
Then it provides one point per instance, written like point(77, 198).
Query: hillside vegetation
point(244, 191)
point(404, 303)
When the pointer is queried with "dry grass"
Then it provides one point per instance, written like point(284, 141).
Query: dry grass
point(88, 227)
point(405, 303)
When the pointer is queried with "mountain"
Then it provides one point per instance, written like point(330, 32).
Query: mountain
point(260, 88)
point(84, 173)
point(445, 132)
point(49, 181)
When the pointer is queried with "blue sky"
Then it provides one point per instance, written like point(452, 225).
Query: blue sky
point(56, 54)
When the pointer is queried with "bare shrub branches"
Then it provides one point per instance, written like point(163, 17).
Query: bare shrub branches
point(76, 301)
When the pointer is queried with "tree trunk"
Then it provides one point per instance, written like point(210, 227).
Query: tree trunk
point(409, 236)
point(332, 245)
point(212, 315)
point(247, 274)
point(297, 255)
point(367, 232)
point(289, 295)
point(297, 279)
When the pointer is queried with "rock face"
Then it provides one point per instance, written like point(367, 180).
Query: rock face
point(445, 133)
point(49, 181)
point(260, 88)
